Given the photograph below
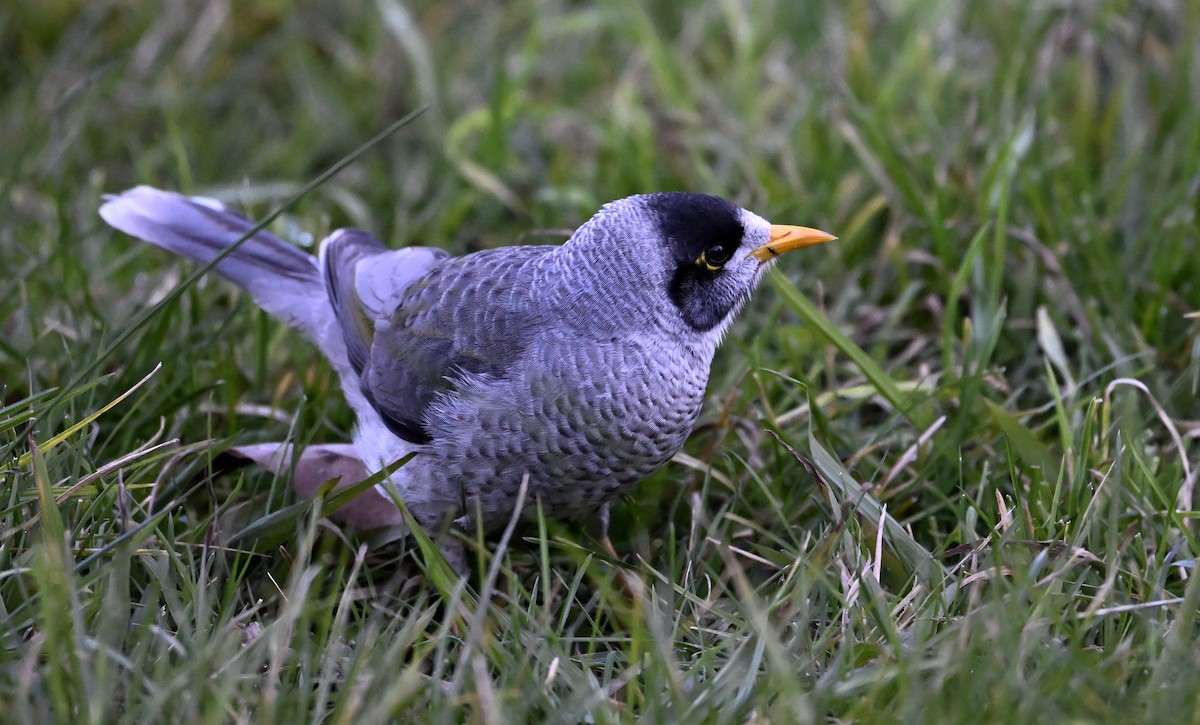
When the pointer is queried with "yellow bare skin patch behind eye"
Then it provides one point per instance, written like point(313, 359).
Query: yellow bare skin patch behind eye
point(702, 261)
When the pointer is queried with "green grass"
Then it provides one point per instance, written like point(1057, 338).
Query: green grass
point(997, 361)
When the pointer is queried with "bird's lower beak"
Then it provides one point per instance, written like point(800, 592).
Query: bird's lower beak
point(785, 238)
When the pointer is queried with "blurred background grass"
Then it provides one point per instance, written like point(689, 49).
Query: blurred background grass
point(1001, 350)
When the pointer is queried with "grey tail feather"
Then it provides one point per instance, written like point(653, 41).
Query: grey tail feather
point(282, 279)
point(340, 254)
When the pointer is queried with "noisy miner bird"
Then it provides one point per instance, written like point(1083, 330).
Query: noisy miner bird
point(581, 366)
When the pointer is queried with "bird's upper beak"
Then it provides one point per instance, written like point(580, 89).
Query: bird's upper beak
point(785, 238)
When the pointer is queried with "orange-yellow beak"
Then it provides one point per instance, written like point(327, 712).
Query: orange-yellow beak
point(785, 238)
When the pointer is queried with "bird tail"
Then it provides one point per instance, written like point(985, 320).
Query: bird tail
point(282, 279)
point(290, 285)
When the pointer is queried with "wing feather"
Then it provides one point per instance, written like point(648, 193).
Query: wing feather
point(470, 316)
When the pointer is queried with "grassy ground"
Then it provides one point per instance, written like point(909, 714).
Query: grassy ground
point(947, 467)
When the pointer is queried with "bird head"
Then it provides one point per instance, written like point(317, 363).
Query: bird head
point(690, 260)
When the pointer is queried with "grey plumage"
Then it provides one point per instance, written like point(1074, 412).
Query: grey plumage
point(582, 365)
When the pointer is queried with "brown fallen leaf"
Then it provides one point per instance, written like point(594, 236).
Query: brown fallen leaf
point(322, 462)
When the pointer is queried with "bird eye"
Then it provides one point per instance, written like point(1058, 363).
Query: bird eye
point(715, 256)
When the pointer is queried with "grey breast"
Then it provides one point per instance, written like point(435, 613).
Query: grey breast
point(586, 420)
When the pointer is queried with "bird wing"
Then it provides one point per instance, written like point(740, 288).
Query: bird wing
point(365, 280)
point(468, 318)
